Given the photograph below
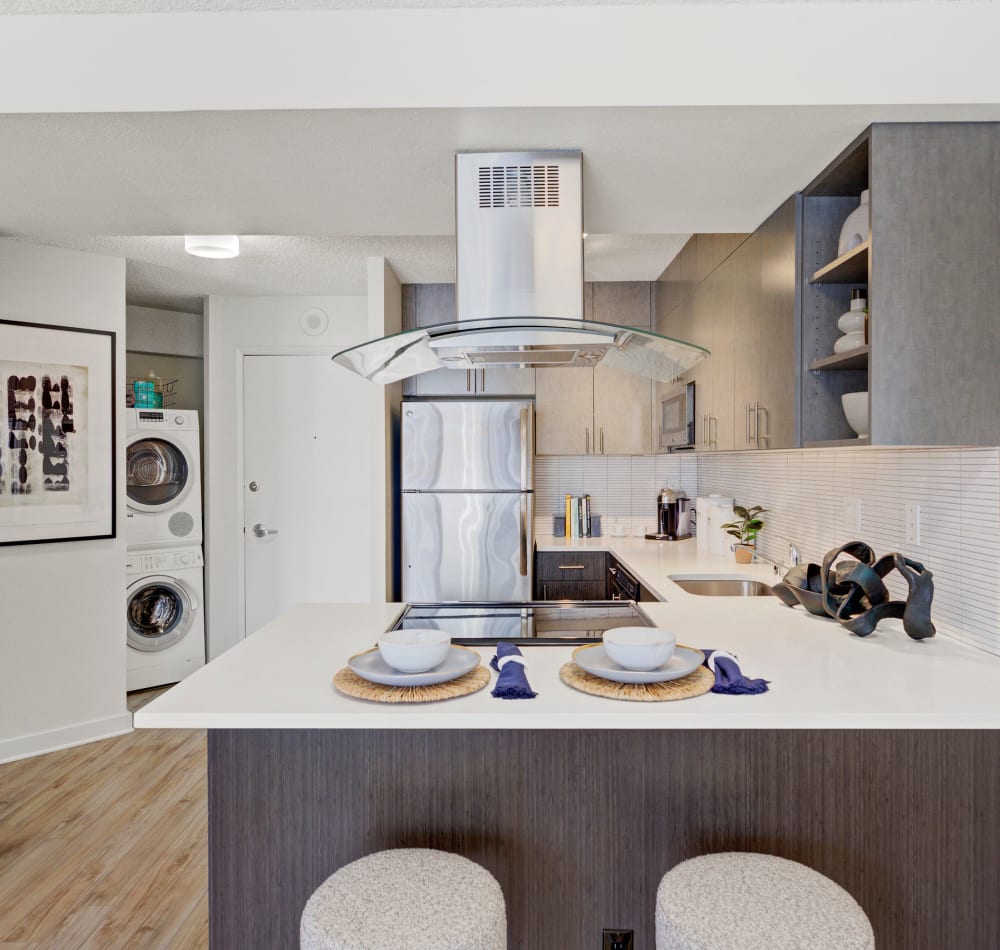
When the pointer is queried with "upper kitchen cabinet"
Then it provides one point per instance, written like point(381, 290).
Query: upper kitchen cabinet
point(927, 271)
point(602, 411)
point(427, 304)
point(735, 295)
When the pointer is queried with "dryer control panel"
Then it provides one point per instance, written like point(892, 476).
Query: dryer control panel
point(147, 562)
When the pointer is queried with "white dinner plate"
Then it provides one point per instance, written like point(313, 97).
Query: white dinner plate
point(370, 666)
point(595, 660)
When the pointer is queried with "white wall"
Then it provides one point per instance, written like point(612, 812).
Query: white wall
point(62, 656)
point(235, 327)
point(150, 330)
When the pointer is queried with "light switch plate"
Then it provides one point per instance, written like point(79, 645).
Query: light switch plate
point(851, 514)
point(911, 523)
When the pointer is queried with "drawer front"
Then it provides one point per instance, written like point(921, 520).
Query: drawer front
point(571, 566)
point(570, 590)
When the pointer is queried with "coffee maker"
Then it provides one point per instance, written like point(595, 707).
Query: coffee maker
point(673, 516)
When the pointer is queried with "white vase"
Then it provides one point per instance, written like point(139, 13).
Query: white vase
point(858, 226)
point(852, 322)
point(849, 341)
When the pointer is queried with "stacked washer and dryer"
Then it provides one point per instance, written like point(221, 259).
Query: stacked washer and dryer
point(165, 625)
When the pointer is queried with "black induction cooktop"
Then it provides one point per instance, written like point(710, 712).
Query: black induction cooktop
point(538, 623)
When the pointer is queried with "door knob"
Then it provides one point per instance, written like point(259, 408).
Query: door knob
point(261, 531)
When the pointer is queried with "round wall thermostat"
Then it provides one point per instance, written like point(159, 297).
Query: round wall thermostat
point(314, 321)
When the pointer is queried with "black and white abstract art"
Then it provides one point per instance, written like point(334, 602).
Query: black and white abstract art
point(56, 433)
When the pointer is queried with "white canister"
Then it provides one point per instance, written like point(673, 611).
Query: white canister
point(713, 512)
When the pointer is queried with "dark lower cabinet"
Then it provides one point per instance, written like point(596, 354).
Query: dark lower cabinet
point(571, 590)
point(571, 575)
point(578, 826)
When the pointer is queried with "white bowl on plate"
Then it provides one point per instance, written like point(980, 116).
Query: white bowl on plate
point(849, 341)
point(856, 409)
point(639, 648)
point(414, 651)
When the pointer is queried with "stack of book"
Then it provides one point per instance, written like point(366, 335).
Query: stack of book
point(578, 516)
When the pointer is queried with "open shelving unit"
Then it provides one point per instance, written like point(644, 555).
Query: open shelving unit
point(826, 283)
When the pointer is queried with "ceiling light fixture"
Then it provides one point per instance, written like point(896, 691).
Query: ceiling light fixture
point(212, 245)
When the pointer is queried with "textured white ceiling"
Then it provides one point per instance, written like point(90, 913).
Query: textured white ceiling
point(336, 186)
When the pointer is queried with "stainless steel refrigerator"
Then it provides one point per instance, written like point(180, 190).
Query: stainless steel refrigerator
point(467, 500)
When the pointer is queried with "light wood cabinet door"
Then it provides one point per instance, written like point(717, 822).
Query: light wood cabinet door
point(564, 411)
point(508, 381)
point(776, 388)
point(444, 382)
point(623, 405)
point(747, 354)
point(719, 286)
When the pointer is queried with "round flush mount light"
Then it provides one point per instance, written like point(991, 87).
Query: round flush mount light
point(212, 245)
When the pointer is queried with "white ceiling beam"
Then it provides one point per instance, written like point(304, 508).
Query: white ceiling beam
point(679, 54)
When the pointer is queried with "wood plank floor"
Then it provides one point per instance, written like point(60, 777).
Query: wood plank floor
point(105, 845)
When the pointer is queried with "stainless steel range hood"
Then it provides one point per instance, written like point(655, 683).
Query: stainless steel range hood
point(519, 227)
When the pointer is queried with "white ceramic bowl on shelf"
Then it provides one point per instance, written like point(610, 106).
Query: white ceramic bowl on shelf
point(639, 648)
point(414, 651)
point(852, 321)
point(849, 341)
point(856, 409)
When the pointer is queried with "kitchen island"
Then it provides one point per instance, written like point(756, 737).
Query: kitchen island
point(874, 761)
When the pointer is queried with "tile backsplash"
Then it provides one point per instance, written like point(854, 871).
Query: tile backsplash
point(622, 488)
point(807, 492)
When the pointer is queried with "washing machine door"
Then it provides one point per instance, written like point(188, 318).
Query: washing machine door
point(158, 473)
point(160, 610)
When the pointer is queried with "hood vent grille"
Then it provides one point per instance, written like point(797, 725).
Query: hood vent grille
point(519, 186)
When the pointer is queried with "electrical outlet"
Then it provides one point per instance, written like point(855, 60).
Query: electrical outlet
point(911, 523)
point(852, 514)
point(618, 940)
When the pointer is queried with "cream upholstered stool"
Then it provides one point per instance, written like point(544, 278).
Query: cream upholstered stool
point(406, 899)
point(745, 901)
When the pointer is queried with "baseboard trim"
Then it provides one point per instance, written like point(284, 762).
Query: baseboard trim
point(38, 743)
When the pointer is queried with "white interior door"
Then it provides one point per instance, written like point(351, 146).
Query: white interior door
point(306, 485)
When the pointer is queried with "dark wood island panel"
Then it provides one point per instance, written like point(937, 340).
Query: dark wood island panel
point(578, 827)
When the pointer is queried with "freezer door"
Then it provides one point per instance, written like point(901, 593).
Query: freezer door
point(467, 546)
point(465, 445)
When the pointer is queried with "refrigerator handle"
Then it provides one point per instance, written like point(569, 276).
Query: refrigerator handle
point(527, 449)
point(524, 535)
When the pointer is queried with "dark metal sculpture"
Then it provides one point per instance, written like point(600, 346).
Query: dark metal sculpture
point(853, 592)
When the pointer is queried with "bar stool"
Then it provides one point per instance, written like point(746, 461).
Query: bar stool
point(745, 901)
point(406, 899)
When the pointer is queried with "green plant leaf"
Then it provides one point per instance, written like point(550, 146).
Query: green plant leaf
point(741, 511)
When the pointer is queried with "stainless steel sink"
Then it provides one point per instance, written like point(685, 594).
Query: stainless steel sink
point(728, 587)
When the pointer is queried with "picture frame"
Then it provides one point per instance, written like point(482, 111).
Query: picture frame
point(58, 438)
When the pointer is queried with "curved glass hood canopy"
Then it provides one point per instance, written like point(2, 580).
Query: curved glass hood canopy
point(520, 342)
point(519, 228)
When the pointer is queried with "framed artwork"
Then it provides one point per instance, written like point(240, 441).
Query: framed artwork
point(57, 433)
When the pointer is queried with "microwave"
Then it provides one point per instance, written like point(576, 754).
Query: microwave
point(677, 415)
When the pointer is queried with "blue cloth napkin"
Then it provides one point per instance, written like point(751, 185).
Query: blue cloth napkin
point(511, 683)
point(729, 677)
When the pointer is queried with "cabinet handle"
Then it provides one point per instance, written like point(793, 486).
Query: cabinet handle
point(758, 408)
point(602, 440)
point(572, 567)
point(588, 442)
point(713, 420)
point(748, 422)
point(468, 380)
point(704, 430)
point(482, 380)
point(545, 591)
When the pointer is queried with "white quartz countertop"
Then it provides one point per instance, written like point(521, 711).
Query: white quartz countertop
point(821, 676)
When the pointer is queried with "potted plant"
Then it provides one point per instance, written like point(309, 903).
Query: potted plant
point(745, 530)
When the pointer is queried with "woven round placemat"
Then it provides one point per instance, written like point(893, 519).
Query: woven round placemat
point(350, 684)
point(687, 687)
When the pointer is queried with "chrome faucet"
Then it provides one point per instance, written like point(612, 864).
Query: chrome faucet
point(780, 567)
